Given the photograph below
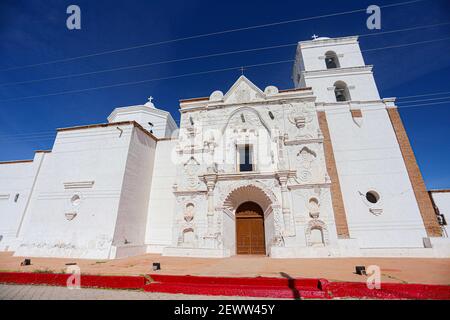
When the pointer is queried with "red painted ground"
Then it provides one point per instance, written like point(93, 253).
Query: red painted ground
point(251, 287)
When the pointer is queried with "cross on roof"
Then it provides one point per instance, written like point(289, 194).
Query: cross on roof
point(150, 99)
point(242, 70)
point(315, 36)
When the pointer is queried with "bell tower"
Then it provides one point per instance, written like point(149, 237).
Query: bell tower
point(335, 69)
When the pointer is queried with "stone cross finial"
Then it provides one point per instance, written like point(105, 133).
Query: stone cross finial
point(314, 36)
point(150, 103)
point(242, 70)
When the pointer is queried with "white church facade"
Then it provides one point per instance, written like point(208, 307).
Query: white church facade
point(321, 170)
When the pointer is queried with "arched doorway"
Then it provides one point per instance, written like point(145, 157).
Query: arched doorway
point(250, 237)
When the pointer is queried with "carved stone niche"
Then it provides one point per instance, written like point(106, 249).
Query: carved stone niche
point(189, 212)
point(317, 234)
point(187, 238)
point(314, 208)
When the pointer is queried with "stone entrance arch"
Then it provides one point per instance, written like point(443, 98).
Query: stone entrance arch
point(258, 193)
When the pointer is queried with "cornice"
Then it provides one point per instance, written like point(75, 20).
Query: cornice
point(281, 98)
point(357, 104)
point(327, 42)
point(309, 186)
point(109, 124)
point(338, 71)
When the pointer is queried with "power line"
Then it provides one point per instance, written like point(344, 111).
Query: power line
point(423, 104)
point(146, 81)
point(198, 73)
point(424, 95)
point(405, 45)
point(47, 135)
point(197, 58)
point(149, 64)
point(207, 35)
point(402, 30)
point(422, 100)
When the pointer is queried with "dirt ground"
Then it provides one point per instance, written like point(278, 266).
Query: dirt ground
point(406, 270)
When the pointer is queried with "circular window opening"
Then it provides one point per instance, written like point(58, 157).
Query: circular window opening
point(372, 196)
point(75, 200)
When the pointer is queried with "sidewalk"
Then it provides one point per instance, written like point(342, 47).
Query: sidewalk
point(20, 292)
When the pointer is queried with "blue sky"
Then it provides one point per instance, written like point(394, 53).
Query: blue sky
point(34, 31)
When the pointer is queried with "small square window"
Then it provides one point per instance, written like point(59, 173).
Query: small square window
point(245, 158)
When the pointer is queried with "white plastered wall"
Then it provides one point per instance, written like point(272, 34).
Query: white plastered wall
point(162, 200)
point(16, 179)
point(361, 85)
point(369, 158)
point(89, 163)
point(129, 235)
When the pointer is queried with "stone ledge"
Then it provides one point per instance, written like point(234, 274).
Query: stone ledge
point(195, 252)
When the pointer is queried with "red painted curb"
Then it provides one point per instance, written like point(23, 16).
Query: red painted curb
point(292, 288)
point(246, 281)
point(388, 291)
point(251, 287)
point(228, 286)
point(86, 281)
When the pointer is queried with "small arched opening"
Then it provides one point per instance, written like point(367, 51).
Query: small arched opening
point(331, 60)
point(341, 91)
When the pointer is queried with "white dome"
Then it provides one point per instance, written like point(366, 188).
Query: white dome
point(321, 38)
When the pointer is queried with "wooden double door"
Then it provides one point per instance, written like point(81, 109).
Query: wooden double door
point(250, 237)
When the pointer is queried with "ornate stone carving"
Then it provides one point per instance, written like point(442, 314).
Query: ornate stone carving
point(304, 176)
point(228, 193)
point(299, 116)
point(242, 94)
point(70, 215)
point(243, 91)
point(306, 156)
point(191, 169)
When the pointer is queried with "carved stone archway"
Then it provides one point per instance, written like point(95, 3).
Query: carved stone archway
point(252, 191)
point(242, 191)
point(320, 225)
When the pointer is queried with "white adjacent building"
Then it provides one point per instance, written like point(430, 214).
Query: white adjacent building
point(321, 170)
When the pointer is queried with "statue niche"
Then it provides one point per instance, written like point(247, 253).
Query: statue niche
point(314, 208)
point(189, 212)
